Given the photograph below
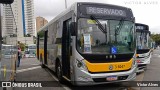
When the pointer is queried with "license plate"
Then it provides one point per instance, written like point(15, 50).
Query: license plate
point(112, 78)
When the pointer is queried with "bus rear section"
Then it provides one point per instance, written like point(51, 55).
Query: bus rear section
point(90, 43)
point(144, 49)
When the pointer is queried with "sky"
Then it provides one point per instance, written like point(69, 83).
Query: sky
point(145, 11)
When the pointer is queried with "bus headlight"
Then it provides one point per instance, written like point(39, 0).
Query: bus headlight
point(80, 64)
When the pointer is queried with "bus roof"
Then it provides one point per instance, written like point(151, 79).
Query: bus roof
point(141, 27)
point(73, 7)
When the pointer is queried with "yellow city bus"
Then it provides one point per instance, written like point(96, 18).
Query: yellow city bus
point(90, 43)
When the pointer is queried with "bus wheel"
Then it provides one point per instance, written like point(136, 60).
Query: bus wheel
point(59, 72)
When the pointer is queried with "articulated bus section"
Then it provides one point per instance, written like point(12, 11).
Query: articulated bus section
point(90, 43)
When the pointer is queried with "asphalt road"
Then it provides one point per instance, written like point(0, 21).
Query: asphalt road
point(153, 70)
point(30, 70)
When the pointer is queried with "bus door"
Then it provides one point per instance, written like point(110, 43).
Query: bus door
point(37, 47)
point(66, 48)
point(45, 47)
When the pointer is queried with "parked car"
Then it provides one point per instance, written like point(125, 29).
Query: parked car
point(30, 54)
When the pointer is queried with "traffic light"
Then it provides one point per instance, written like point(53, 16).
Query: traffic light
point(6, 1)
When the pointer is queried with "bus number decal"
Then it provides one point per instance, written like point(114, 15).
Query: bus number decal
point(119, 66)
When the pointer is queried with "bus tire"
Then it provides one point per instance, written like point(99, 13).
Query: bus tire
point(59, 72)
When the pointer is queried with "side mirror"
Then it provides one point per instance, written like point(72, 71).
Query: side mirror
point(6, 1)
point(73, 28)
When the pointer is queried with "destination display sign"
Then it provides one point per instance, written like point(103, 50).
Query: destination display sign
point(105, 11)
point(141, 27)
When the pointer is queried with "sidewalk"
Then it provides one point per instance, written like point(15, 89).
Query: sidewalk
point(30, 70)
point(28, 63)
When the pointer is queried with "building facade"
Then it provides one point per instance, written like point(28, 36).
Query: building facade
point(18, 20)
point(40, 22)
point(29, 17)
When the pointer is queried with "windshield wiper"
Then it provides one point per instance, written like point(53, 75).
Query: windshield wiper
point(117, 30)
point(121, 22)
point(100, 26)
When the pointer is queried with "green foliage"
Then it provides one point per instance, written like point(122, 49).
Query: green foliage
point(28, 35)
point(35, 41)
point(41, 34)
point(21, 45)
point(13, 35)
point(18, 42)
point(156, 38)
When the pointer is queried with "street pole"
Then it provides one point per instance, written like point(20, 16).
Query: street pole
point(66, 4)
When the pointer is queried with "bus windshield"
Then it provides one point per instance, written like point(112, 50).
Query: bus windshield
point(142, 40)
point(116, 38)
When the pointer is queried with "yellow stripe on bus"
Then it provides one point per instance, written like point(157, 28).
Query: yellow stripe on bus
point(104, 67)
point(41, 52)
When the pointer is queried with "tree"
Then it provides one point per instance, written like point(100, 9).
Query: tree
point(156, 38)
point(21, 45)
point(18, 42)
point(28, 35)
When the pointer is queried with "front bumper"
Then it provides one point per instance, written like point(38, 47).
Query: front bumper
point(142, 63)
point(83, 77)
point(143, 60)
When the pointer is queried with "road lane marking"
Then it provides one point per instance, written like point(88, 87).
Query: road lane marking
point(63, 86)
point(31, 64)
point(35, 64)
point(28, 69)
